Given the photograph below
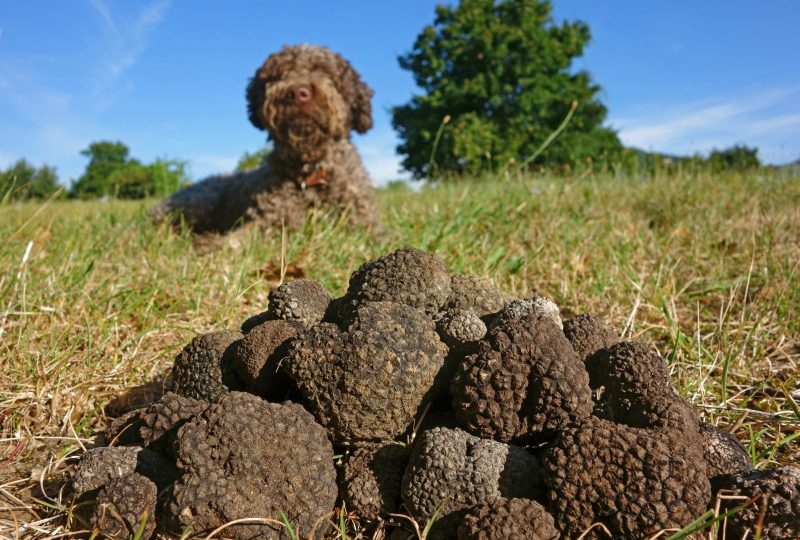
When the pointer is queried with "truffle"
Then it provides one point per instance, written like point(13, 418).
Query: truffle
point(589, 334)
point(723, 452)
point(367, 383)
point(302, 300)
point(407, 276)
point(775, 492)
point(123, 505)
point(513, 519)
point(98, 466)
point(535, 305)
point(476, 294)
point(371, 478)
point(457, 328)
point(450, 471)
point(634, 481)
point(258, 356)
point(204, 368)
point(524, 383)
point(246, 457)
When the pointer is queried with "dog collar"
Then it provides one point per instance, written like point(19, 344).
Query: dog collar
point(318, 177)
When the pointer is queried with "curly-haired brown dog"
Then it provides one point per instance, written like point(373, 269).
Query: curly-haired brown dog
point(308, 99)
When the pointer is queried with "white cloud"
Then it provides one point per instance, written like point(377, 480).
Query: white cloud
point(377, 151)
point(204, 165)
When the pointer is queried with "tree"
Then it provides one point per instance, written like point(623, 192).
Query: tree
point(23, 181)
point(105, 158)
point(738, 157)
point(252, 160)
point(499, 71)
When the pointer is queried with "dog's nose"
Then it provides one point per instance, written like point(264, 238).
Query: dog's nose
point(303, 94)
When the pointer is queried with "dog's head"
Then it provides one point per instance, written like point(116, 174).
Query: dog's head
point(305, 96)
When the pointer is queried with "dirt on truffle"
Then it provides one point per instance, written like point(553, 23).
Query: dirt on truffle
point(371, 477)
point(123, 505)
point(475, 294)
point(302, 300)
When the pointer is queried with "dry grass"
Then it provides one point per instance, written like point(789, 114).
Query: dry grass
point(95, 302)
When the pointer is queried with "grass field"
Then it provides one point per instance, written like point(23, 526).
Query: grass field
point(95, 301)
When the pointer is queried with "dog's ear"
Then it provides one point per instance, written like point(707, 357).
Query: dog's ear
point(256, 94)
point(359, 94)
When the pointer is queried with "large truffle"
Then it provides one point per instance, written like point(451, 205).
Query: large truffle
point(534, 305)
point(512, 519)
point(475, 294)
point(407, 276)
point(302, 300)
point(204, 368)
point(450, 471)
point(775, 492)
point(371, 478)
point(123, 506)
point(257, 358)
point(588, 334)
point(634, 481)
point(723, 452)
point(524, 383)
point(246, 457)
point(99, 466)
point(367, 383)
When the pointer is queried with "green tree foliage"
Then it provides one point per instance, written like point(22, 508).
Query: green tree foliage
point(253, 160)
point(737, 157)
point(111, 173)
point(23, 181)
point(499, 71)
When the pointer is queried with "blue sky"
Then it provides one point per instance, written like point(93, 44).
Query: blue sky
point(167, 77)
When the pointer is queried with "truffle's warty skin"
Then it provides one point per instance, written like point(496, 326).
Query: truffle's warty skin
point(512, 519)
point(476, 294)
point(459, 327)
point(777, 493)
point(99, 466)
point(258, 356)
point(204, 368)
point(407, 276)
point(121, 505)
point(524, 383)
point(535, 305)
point(723, 452)
point(246, 457)
point(588, 334)
point(367, 383)
point(635, 481)
point(371, 478)
point(453, 466)
point(302, 300)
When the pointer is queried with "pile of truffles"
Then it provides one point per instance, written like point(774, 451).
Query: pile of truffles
point(428, 394)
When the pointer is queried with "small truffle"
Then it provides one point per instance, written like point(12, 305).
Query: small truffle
point(476, 294)
point(122, 505)
point(775, 492)
point(204, 368)
point(512, 519)
point(246, 457)
point(450, 471)
point(589, 334)
point(98, 466)
point(535, 305)
point(367, 383)
point(302, 300)
point(258, 356)
point(371, 478)
point(524, 383)
point(723, 452)
point(634, 481)
point(407, 276)
point(457, 328)
point(161, 421)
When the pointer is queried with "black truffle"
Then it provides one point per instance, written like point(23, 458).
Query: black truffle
point(634, 481)
point(371, 478)
point(450, 471)
point(246, 457)
point(123, 505)
point(302, 300)
point(99, 466)
point(476, 294)
point(534, 305)
point(775, 492)
point(204, 368)
point(367, 383)
point(407, 276)
point(723, 452)
point(513, 519)
point(257, 358)
point(457, 328)
point(524, 383)
point(589, 334)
